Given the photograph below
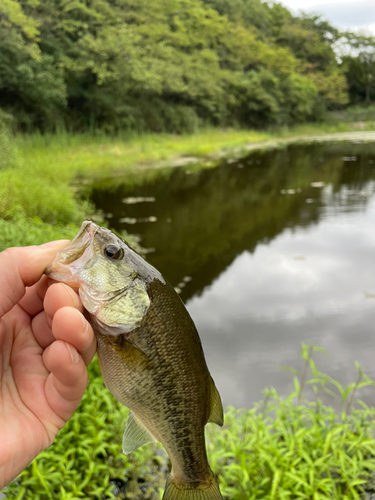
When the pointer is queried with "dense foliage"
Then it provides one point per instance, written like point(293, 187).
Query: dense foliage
point(359, 66)
point(288, 448)
point(165, 65)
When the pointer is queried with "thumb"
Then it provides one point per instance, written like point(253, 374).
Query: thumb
point(21, 267)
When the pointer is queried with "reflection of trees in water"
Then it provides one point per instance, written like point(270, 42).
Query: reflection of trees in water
point(205, 217)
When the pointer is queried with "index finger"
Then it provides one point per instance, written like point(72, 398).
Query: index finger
point(22, 267)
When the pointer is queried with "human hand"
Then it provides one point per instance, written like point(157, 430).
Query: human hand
point(45, 345)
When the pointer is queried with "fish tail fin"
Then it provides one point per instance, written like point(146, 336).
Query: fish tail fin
point(192, 491)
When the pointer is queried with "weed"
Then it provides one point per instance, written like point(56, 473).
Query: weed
point(291, 448)
point(295, 448)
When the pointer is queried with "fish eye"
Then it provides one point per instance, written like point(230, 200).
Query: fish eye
point(113, 252)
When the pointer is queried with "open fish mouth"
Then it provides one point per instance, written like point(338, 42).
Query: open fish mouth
point(67, 261)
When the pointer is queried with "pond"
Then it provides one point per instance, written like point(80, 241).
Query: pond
point(267, 251)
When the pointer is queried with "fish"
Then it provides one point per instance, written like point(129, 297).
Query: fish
point(150, 355)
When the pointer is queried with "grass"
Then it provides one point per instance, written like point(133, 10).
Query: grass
point(353, 114)
point(297, 447)
point(292, 448)
point(40, 174)
point(101, 155)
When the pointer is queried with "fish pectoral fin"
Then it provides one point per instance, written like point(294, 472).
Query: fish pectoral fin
point(135, 435)
point(216, 407)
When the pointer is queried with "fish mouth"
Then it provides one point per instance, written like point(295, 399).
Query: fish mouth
point(66, 261)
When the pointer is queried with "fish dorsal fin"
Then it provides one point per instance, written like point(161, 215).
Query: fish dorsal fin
point(216, 407)
point(135, 435)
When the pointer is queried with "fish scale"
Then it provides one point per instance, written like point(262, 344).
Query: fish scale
point(150, 355)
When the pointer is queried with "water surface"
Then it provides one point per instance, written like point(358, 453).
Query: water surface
point(267, 251)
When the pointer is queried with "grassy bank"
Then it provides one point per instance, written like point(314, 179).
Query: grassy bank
point(38, 199)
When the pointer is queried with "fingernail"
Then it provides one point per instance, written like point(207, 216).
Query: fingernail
point(72, 294)
point(85, 323)
point(51, 244)
point(74, 355)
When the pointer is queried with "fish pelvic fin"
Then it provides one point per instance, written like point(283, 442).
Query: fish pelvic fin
point(135, 435)
point(216, 407)
point(192, 491)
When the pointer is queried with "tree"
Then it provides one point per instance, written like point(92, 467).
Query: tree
point(31, 86)
point(358, 62)
point(165, 65)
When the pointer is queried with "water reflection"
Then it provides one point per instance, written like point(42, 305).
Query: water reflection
point(267, 251)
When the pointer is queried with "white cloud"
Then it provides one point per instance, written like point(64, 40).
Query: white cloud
point(307, 4)
point(342, 14)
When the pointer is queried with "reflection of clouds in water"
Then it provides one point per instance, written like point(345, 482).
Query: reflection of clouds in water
point(254, 316)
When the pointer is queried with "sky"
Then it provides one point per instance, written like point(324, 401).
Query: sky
point(344, 14)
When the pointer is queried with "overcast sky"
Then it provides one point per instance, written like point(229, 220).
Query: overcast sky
point(353, 14)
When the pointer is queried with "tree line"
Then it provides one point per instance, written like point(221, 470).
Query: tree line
point(173, 65)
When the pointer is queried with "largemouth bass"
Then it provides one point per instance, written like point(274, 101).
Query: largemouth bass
point(149, 352)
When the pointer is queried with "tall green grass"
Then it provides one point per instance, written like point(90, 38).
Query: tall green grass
point(42, 176)
point(283, 448)
point(352, 114)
